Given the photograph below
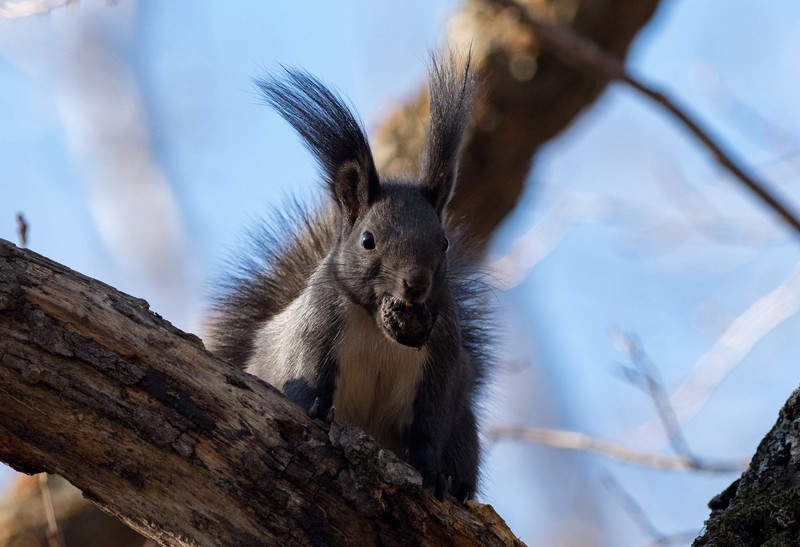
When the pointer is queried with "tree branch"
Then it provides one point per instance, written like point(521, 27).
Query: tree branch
point(527, 97)
point(184, 448)
point(583, 54)
point(573, 440)
point(18, 9)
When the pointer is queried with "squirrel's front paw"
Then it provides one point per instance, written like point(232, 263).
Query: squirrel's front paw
point(438, 483)
point(464, 492)
point(441, 484)
point(319, 410)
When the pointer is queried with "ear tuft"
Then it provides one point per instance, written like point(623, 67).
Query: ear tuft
point(331, 132)
point(452, 90)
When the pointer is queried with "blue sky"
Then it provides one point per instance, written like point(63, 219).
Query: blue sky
point(657, 240)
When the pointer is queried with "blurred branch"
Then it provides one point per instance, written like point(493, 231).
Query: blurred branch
point(679, 538)
point(527, 251)
point(571, 440)
point(54, 535)
point(22, 230)
point(18, 9)
point(644, 374)
point(741, 336)
point(638, 515)
point(673, 225)
point(527, 98)
point(585, 55)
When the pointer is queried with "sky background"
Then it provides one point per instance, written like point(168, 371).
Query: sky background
point(132, 139)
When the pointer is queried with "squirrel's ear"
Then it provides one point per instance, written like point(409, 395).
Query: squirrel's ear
point(452, 90)
point(355, 187)
point(332, 133)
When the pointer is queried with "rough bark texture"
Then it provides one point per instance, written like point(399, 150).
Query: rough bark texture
point(184, 448)
point(528, 96)
point(763, 506)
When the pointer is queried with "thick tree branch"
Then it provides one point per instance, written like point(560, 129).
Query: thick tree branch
point(184, 448)
point(528, 96)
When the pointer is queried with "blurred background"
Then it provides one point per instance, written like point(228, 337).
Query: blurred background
point(133, 142)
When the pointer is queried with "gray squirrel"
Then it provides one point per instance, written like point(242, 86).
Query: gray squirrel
point(372, 305)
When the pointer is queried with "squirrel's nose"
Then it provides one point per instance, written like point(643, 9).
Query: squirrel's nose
point(415, 286)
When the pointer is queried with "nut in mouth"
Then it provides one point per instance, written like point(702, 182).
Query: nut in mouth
point(404, 321)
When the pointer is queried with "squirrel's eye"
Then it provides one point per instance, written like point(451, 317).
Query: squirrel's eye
point(446, 245)
point(368, 241)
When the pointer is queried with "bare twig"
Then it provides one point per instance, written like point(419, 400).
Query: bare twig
point(18, 9)
point(630, 506)
point(730, 349)
point(670, 224)
point(736, 342)
point(638, 515)
point(54, 536)
point(534, 246)
point(585, 55)
point(572, 440)
point(678, 538)
point(22, 229)
point(645, 375)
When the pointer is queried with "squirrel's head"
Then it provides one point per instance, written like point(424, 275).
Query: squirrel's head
point(391, 252)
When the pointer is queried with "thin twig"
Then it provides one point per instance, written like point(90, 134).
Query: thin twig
point(645, 374)
point(583, 54)
point(54, 535)
point(678, 538)
point(639, 516)
point(18, 9)
point(630, 506)
point(572, 440)
point(741, 336)
point(729, 351)
point(530, 249)
point(22, 230)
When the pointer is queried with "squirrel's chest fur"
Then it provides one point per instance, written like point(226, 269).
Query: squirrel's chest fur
point(377, 381)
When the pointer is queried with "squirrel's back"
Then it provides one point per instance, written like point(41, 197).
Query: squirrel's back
point(278, 258)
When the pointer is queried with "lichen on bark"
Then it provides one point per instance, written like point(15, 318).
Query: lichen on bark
point(763, 506)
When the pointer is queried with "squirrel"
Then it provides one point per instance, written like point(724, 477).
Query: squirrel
point(372, 306)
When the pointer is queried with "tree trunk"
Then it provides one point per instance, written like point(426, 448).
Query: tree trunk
point(762, 507)
point(184, 448)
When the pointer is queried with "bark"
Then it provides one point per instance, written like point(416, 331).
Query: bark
point(762, 507)
point(528, 96)
point(182, 447)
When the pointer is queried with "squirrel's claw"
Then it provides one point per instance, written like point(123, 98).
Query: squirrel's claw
point(438, 483)
point(313, 412)
point(317, 410)
point(464, 493)
point(329, 415)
